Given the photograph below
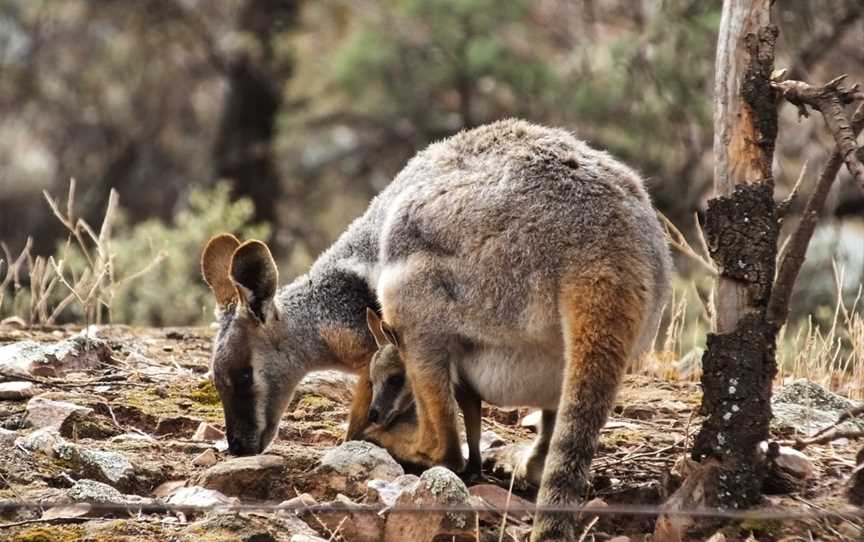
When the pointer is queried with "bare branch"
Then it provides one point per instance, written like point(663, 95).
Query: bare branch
point(783, 206)
point(790, 266)
point(830, 99)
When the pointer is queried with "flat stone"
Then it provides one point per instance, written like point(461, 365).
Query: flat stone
point(43, 412)
point(207, 458)
point(199, 496)
point(347, 468)
point(255, 477)
point(436, 486)
point(207, 432)
point(78, 353)
point(93, 491)
point(16, 391)
point(807, 407)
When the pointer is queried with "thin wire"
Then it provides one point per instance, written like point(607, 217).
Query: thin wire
point(610, 510)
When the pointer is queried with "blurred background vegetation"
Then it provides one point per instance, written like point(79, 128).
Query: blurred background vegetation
point(281, 119)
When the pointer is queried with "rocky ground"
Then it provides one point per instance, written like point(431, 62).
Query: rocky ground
point(124, 423)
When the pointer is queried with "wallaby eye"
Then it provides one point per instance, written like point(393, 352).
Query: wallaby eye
point(396, 381)
point(243, 379)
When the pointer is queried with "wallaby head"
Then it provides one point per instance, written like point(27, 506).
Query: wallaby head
point(248, 363)
point(391, 393)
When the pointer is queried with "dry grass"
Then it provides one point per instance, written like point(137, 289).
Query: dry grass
point(54, 285)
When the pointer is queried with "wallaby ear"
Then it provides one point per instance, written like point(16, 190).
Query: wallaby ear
point(389, 333)
point(215, 262)
point(254, 273)
point(374, 323)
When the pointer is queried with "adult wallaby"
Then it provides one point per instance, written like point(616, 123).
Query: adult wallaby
point(512, 256)
point(392, 398)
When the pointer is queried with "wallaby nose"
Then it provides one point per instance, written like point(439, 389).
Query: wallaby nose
point(373, 415)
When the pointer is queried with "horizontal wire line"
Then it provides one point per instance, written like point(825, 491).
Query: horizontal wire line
point(612, 509)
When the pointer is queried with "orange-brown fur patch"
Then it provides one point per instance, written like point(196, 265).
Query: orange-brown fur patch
point(348, 347)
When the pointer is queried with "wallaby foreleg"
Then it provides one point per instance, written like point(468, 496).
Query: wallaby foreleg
point(358, 419)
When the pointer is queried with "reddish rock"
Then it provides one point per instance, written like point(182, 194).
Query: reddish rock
point(207, 432)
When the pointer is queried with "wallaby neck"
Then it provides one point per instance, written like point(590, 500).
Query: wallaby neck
point(333, 298)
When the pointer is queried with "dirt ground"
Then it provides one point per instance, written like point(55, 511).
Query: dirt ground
point(155, 385)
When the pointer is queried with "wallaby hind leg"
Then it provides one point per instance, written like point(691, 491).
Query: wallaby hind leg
point(600, 317)
point(471, 405)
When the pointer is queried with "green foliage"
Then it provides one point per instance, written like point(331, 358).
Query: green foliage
point(173, 293)
point(409, 56)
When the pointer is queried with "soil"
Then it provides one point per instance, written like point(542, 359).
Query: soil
point(157, 379)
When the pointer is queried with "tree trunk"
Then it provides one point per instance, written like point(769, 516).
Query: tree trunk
point(256, 75)
point(741, 230)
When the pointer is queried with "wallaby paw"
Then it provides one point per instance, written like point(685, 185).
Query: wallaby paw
point(507, 462)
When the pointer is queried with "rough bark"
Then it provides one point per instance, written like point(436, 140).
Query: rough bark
point(243, 151)
point(741, 231)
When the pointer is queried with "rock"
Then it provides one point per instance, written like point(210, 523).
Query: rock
point(133, 437)
point(207, 432)
point(300, 501)
point(717, 537)
point(7, 437)
point(75, 510)
point(306, 538)
point(93, 491)
point(166, 489)
point(104, 466)
point(436, 486)
point(620, 539)
point(207, 458)
point(195, 496)
point(346, 468)
point(176, 425)
point(81, 424)
point(248, 528)
point(77, 353)
point(43, 412)
point(807, 407)
point(41, 440)
point(16, 391)
point(532, 420)
point(386, 493)
point(355, 522)
point(499, 498)
point(253, 477)
point(788, 469)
